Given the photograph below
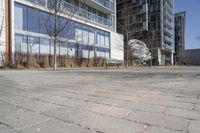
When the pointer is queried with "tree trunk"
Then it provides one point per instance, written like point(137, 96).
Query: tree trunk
point(88, 58)
point(55, 55)
point(127, 53)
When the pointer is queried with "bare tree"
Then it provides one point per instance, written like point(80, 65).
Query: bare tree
point(89, 48)
point(126, 27)
point(31, 45)
point(55, 24)
point(78, 41)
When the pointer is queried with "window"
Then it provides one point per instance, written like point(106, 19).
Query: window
point(102, 41)
point(107, 56)
point(19, 21)
point(51, 47)
point(23, 44)
point(107, 41)
point(85, 53)
point(68, 31)
point(91, 38)
point(63, 48)
point(19, 39)
point(78, 34)
point(71, 51)
point(98, 39)
point(43, 18)
point(33, 20)
point(34, 44)
point(85, 37)
point(44, 46)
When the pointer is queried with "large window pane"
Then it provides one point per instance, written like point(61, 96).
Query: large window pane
point(63, 48)
point(85, 53)
point(107, 55)
point(21, 19)
point(99, 39)
point(107, 41)
point(33, 20)
point(91, 38)
point(24, 44)
point(34, 45)
point(69, 30)
point(78, 35)
point(44, 46)
point(85, 37)
point(91, 53)
point(102, 40)
point(20, 43)
point(51, 47)
point(42, 21)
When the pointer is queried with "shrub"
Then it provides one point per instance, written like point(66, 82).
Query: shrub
point(23, 60)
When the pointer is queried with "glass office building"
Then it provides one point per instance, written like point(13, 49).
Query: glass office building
point(180, 22)
point(152, 23)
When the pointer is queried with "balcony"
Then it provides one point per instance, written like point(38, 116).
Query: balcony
point(169, 4)
point(68, 7)
point(38, 2)
point(168, 23)
point(168, 31)
point(169, 46)
point(107, 4)
point(168, 39)
point(168, 15)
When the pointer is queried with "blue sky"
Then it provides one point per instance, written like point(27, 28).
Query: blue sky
point(192, 8)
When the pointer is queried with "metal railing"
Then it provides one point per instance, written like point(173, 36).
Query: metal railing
point(168, 30)
point(168, 23)
point(107, 4)
point(38, 2)
point(68, 7)
point(168, 39)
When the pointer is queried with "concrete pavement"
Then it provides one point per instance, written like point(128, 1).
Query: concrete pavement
point(137, 100)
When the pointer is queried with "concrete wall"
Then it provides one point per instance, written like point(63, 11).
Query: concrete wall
point(2, 28)
point(117, 46)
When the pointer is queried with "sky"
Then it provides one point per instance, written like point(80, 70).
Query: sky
point(192, 8)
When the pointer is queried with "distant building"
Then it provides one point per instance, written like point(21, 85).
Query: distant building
point(180, 21)
point(153, 24)
point(192, 57)
point(94, 24)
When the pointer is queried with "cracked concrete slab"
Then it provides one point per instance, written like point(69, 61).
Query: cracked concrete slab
point(135, 100)
point(194, 127)
point(97, 122)
point(18, 117)
point(55, 126)
point(188, 114)
point(157, 119)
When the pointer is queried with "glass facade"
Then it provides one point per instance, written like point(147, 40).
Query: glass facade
point(84, 11)
point(31, 34)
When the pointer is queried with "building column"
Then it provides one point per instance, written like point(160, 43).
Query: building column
point(8, 28)
point(159, 57)
point(172, 58)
